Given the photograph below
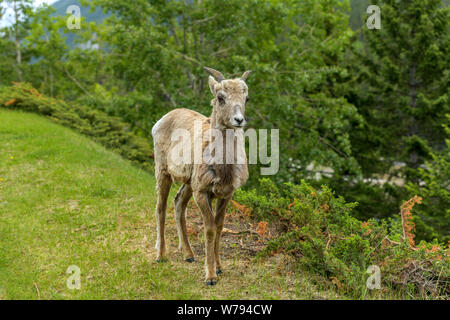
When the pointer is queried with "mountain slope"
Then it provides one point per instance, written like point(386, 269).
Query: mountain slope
point(86, 13)
point(65, 200)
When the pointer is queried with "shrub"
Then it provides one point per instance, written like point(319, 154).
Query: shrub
point(111, 132)
point(317, 227)
point(433, 218)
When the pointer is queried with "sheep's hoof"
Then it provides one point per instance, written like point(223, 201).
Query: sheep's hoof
point(162, 260)
point(219, 271)
point(211, 282)
point(190, 260)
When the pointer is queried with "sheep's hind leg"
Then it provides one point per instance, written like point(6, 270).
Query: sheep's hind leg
point(164, 183)
point(181, 200)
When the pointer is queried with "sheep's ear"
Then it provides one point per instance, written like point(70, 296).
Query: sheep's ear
point(212, 84)
point(246, 74)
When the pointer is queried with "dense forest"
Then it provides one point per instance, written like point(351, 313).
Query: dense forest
point(364, 112)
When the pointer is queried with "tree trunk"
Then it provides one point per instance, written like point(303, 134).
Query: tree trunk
point(17, 41)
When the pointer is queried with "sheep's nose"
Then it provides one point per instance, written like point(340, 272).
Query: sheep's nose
point(239, 120)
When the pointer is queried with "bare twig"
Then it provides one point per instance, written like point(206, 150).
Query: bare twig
point(37, 290)
point(77, 83)
point(329, 240)
point(143, 129)
point(220, 51)
point(179, 53)
point(204, 20)
point(403, 224)
point(168, 96)
point(323, 140)
point(391, 241)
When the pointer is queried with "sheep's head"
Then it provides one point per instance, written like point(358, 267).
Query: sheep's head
point(230, 98)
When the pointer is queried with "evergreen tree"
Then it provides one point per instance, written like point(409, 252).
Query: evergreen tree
point(400, 88)
point(433, 219)
point(404, 86)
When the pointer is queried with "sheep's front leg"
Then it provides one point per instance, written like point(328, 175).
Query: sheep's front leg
point(204, 203)
point(221, 207)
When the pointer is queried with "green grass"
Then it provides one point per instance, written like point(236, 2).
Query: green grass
point(65, 200)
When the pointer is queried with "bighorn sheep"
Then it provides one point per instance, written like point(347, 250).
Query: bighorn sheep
point(205, 181)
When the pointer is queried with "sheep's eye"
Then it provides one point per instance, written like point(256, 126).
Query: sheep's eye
point(221, 99)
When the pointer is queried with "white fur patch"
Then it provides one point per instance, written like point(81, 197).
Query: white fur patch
point(157, 126)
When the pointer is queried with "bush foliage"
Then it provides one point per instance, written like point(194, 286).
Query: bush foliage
point(433, 220)
point(111, 132)
point(317, 227)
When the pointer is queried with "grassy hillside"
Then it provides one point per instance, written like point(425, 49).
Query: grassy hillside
point(65, 200)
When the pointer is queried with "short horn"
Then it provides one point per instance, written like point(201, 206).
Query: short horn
point(216, 74)
point(246, 74)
